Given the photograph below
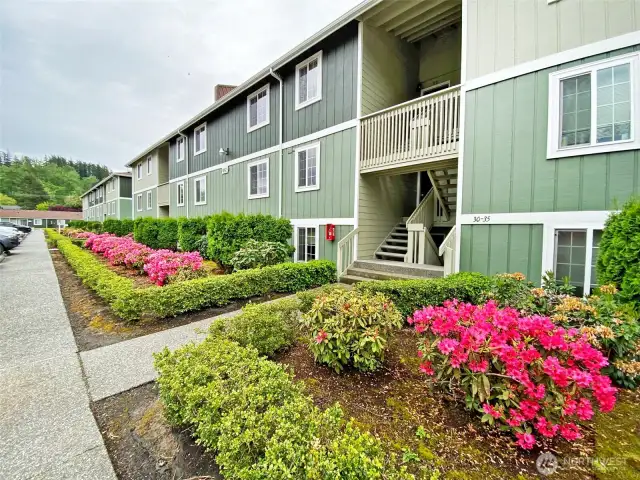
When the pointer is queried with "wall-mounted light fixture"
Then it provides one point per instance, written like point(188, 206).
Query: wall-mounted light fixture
point(223, 151)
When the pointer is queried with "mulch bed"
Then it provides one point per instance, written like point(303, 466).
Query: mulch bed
point(95, 325)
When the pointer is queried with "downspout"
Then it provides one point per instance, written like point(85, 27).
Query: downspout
point(186, 159)
point(281, 122)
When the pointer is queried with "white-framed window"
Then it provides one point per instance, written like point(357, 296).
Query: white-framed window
point(139, 171)
point(200, 189)
point(37, 221)
point(149, 164)
point(258, 109)
point(200, 139)
point(306, 243)
point(309, 81)
point(62, 223)
point(180, 194)
point(307, 165)
point(594, 108)
point(258, 178)
point(149, 199)
point(180, 149)
point(139, 202)
point(572, 254)
point(109, 208)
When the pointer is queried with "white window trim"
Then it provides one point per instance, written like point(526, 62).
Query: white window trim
point(203, 188)
point(139, 171)
point(37, 221)
point(178, 185)
point(299, 189)
point(149, 165)
point(202, 127)
point(254, 164)
point(553, 127)
point(149, 200)
point(184, 149)
point(295, 242)
point(139, 202)
point(267, 120)
point(308, 102)
point(549, 245)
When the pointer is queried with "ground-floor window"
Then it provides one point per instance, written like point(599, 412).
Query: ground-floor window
point(575, 257)
point(37, 221)
point(306, 244)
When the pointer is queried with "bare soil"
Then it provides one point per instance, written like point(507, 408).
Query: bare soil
point(142, 445)
point(95, 325)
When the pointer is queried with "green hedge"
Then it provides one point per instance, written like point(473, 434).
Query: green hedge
point(118, 227)
point(156, 233)
point(410, 295)
point(258, 422)
point(190, 232)
point(85, 225)
point(191, 295)
point(619, 252)
point(228, 233)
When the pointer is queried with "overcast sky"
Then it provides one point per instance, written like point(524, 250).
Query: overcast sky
point(101, 80)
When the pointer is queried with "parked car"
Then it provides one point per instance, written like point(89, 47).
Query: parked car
point(22, 228)
point(8, 243)
point(12, 233)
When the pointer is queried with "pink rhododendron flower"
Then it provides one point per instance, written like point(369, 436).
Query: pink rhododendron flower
point(570, 431)
point(546, 428)
point(321, 336)
point(584, 411)
point(447, 345)
point(426, 367)
point(491, 411)
point(479, 366)
point(525, 440)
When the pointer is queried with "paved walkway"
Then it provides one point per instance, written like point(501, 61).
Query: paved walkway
point(47, 430)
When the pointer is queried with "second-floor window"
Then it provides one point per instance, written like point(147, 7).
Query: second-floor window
point(180, 150)
point(309, 81)
point(149, 163)
point(200, 187)
point(149, 200)
point(139, 171)
point(308, 168)
point(180, 194)
point(594, 108)
point(259, 179)
point(258, 109)
point(200, 139)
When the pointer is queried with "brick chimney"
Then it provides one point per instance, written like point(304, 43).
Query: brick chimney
point(220, 91)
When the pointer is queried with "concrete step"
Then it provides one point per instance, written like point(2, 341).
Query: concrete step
point(377, 275)
point(351, 279)
point(401, 268)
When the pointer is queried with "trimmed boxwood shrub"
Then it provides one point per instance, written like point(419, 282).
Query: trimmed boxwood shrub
point(118, 227)
point(191, 295)
point(156, 233)
point(258, 422)
point(228, 233)
point(190, 233)
point(619, 251)
point(411, 295)
point(85, 225)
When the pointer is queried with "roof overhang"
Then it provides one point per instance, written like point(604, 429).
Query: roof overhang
point(340, 22)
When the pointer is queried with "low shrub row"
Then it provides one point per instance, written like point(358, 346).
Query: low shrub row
point(411, 295)
point(95, 227)
point(258, 422)
point(170, 300)
point(156, 233)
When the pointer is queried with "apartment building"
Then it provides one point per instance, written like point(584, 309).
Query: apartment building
point(425, 137)
point(109, 198)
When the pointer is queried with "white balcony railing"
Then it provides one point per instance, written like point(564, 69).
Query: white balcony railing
point(420, 130)
point(420, 245)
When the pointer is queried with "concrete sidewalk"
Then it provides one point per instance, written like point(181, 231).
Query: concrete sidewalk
point(47, 430)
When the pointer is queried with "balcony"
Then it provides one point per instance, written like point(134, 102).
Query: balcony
point(420, 131)
point(163, 195)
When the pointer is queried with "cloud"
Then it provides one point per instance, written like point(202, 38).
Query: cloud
point(101, 80)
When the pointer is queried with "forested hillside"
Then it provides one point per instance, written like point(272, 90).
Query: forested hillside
point(32, 182)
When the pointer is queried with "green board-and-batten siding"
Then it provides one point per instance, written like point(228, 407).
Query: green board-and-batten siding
point(505, 158)
point(492, 249)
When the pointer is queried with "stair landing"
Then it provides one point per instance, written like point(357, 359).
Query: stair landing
point(363, 270)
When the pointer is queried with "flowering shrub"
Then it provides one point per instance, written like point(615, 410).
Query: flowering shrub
point(350, 328)
point(524, 372)
point(163, 264)
point(256, 254)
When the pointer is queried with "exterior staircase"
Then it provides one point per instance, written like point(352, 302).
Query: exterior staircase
point(445, 183)
point(394, 247)
point(364, 270)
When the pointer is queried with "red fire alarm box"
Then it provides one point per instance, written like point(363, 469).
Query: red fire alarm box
point(330, 232)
